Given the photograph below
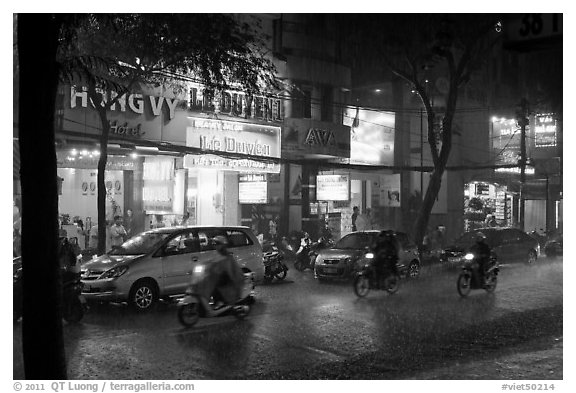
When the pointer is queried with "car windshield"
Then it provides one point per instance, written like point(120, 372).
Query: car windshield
point(469, 238)
point(355, 241)
point(141, 244)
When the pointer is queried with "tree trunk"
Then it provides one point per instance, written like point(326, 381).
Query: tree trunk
point(42, 341)
point(101, 186)
point(423, 217)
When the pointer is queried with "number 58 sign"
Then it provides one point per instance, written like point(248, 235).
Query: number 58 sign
point(534, 26)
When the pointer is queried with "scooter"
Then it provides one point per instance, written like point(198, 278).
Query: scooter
point(73, 302)
point(274, 265)
point(469, 277)
point(367, 278)
point(17, 288)
point(306, 255)
point(194, 306)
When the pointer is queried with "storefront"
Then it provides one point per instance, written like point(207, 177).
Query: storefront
point(188, 154)
point(488, 205)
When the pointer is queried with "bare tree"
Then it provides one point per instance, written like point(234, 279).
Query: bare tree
point(409, 45)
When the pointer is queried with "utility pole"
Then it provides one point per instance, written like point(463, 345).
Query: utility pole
point(523, 121)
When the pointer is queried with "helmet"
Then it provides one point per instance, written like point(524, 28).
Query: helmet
point(480, 237)
point(220, 240)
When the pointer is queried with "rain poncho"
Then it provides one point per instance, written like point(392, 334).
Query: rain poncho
point(223, 275)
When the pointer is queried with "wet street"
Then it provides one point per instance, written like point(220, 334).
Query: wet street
point(300, 327)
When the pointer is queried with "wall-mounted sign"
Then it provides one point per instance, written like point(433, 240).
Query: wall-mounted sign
point(209, 161)
point(306, 137)
point(506, 137)
point(371, 137)
point(333, 187)
point(389, 188)
point(114, 163)
point(252, 189)
point(233, 137)
point(544, 131)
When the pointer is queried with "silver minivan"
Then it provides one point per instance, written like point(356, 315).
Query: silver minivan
point(159, 263)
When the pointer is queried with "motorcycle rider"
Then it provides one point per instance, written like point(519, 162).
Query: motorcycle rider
point(224, 276)
point(385, 254)
point(481, 251)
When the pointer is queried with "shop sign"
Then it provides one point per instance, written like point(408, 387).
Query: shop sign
point(233, 137)
point(230, 103)
point(113, 163)
point(209, 161)
point(371, 137)
point(126, 130)
point(252, 188)
point(302, 137)
point(545, 131)
point(333, 187)
point(389, 188)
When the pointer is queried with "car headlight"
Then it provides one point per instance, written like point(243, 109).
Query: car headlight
point(469, 256)
point(115, 272)
point(198, 269)
point(369, 255)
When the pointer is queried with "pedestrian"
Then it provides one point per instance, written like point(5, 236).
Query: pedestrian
point(273, 227)
point(355, 213)
point(185, 219)
point(129, 223)
point(159, 221)
point(93, 240)
point(117, 232)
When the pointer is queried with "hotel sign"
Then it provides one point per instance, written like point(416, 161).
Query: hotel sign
point(254, 141)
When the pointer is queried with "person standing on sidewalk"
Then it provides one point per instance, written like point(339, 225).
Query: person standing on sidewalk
point(117, 232)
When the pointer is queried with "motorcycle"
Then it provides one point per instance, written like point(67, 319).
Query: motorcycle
point(17, 288)
point(73, 302)
point(306, 255)
point(194, 306)
point(367, 278)
point(469, 278)
point(274, 265)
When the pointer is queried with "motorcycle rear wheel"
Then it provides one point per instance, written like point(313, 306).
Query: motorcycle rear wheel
point(491, 281)
point(392, 283)
point(189, 314)
point(242, 311)
point(281, 275)
point(299, 265)
point(74, 311)
point(463, 284)
point(361, 286)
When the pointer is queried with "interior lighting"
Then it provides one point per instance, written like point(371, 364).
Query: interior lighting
point(84, 152)
point(73, 152)
point(134, 155)
point(96, 152)
point(377, 90)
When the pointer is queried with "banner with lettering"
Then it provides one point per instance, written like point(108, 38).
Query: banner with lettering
point(307, 137)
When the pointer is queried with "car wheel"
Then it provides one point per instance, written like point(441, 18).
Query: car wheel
point(361, 286)
point(189, 314)
point(463, 284)
point(143, 295)
point(414, 269)
point(532, 256)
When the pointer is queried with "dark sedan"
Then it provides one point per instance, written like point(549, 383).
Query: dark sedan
point(343, 259)
point(509, 245)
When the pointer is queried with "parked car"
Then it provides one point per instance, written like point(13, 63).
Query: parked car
point(345, 257)
point(509, 245)
point(553, 246)
point(159, 263)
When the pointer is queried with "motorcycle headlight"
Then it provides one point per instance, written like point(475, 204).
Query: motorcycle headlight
point(469, 256)
point(115, 272)
point(369, 255)
point(199, 269)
